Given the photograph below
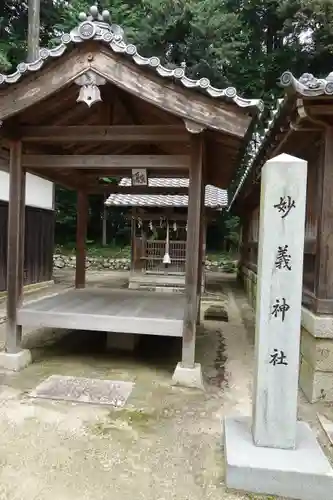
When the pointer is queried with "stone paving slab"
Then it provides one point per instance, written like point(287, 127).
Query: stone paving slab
point(84, 390)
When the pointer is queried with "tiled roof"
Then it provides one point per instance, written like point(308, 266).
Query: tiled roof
point(214, 197)
point(98, 27)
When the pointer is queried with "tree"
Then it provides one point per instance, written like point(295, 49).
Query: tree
point(243, 43)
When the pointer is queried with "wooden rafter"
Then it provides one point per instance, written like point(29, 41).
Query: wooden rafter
point(106, 161)
point(150, 134)
point(169, 97)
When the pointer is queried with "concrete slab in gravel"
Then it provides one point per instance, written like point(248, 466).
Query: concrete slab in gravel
point(302, 474)
point(84, 390)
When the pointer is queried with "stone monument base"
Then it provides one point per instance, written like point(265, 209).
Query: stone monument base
point(15, 362)
point(303, 473)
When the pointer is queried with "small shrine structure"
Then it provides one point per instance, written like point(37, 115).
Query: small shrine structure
point(302, 126)
point(159, 230)
point(93, 107)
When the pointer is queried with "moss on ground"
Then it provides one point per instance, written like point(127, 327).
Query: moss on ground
point(125, 418)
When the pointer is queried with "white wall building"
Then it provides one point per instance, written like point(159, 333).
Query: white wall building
point(39, 226)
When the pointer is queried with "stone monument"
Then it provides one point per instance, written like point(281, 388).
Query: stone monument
point(273, 453)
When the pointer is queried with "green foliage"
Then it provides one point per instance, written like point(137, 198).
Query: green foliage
point(247, 44)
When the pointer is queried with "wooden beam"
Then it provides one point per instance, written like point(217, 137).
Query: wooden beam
point(81, 235)
point(170, 97)
point(192, 251)
point(105, 161)
point(13, 332)
point(320, 109)
point(150, 134)
point(173, 216)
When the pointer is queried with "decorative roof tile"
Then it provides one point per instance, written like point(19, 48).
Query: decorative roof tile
point(307, 85)
point(214, 197)
point(98, 27)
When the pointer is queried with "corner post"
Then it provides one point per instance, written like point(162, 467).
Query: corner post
point(104, 222)
point(21, 243)
point(323, 289)
point(81, 235)
point(14, 358)
point(188, 373)
point(201, 254)
point(133, 240)
point(13, 334)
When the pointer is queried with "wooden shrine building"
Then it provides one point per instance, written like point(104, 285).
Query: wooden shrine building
point(159, 230)
point(93, 107)
point(39, 227)
point(301, 126)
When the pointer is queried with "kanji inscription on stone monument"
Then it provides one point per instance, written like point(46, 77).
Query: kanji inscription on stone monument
point(284, 206)
point(283, 258)
point(279, 293)
point(278, 358)
point(280, 308)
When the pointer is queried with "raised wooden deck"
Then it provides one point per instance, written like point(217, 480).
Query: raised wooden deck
point(124, 311)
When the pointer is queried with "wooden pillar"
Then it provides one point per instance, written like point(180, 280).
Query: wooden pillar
point(133, 239)
point(22, 238)
point(81, 235)
point(104, 222)
point(323, 287)
point(15, 253)
point(192, 251)
point(201, 255)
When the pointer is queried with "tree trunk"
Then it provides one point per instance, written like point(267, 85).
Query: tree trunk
point(33, 29)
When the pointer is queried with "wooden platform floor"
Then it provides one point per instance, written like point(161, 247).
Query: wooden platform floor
point(124, 311)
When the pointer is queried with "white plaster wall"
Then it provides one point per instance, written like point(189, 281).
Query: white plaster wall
point(39, 192)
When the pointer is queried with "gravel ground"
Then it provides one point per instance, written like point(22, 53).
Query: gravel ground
point(166, 443)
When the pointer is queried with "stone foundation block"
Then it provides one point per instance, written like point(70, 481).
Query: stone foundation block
point(15, 362)
point(318, 352)
point(188, 377)
point(316, 385)
point(316, 368)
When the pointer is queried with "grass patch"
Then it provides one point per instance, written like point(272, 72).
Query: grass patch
point(127, 418)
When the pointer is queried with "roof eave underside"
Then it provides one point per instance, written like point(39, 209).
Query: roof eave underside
point(93, 29)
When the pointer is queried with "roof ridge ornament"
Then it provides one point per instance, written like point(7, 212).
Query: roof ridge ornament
point(307, 85)
point(97, 26)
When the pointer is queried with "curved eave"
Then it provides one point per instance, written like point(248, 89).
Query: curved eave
point(119, 46)
point(277, 118)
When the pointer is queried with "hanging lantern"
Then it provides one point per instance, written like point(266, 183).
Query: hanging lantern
point(186, 227)
point(151, 225)
point(139, 223)
point(175, 226)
